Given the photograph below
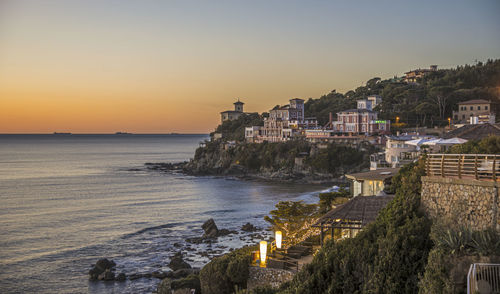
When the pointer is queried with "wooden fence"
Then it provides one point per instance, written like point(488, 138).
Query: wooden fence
point(485, 167)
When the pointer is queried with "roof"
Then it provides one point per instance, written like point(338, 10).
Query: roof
point(475, 101)
point(363, 209)
point(231, 111)
point(297, 99)
point(355, 110)
point(238, 102)
point(474, 132)
point(374, 175)
point(402, 137)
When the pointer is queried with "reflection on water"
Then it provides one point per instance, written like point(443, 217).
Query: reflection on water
point(67, 201)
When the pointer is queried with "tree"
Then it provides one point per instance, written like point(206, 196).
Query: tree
point(292, 218)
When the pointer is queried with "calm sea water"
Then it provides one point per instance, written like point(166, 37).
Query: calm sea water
point(66, 201)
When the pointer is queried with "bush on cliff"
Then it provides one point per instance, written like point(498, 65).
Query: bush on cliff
point(224, 273)
point(293, 218)
point(328, 200)
point(386, 257)
point(338, 159)
point(488, 145)
point(234, 130)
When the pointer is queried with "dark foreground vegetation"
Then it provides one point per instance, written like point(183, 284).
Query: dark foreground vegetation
point(401, 252)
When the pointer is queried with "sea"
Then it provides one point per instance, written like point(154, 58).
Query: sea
point(68, 200)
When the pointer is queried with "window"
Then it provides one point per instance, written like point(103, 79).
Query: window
point(486, 108)
point(472, 108)
point(463, 116)
point(479, 108)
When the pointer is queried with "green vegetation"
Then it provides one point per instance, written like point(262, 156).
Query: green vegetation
point(386, 257)
point(269, 157)
point(339, 159)
point(454, 251)
point(293, 218)
point(191, 282)
point(328, 200)
point(223, 274)
point(489, 145)
point(428, 103)
point(235, 130)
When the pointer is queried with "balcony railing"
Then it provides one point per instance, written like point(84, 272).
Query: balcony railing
point(483, 278)
point(485, 167)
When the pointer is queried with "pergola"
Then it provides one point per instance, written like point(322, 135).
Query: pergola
point(355, 214)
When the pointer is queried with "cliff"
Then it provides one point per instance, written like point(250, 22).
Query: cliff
point(297, 161)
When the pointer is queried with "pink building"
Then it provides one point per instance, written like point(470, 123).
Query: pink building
point(360, 121)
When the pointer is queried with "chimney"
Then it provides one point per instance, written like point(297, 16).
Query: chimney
point(331, 118)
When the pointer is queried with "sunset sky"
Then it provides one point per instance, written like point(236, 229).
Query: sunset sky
point(171, 66)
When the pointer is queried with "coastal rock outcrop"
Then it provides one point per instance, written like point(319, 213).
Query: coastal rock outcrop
point(210, 228)
point(177, 263)
point(103, 270)
point(248, 227)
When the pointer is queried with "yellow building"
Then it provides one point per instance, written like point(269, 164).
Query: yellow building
point(372, 182)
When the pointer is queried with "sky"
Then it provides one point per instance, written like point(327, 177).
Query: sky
point(147, 66)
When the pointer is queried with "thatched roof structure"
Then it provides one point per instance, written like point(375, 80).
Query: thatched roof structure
point(355, 214)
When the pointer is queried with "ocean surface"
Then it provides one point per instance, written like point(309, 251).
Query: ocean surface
point(68, 200)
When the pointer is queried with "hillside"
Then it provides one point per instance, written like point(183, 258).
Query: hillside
point(427, 103)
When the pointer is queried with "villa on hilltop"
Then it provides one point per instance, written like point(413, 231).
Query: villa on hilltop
point(283, 123)
point(414, 75)
point(232, 114)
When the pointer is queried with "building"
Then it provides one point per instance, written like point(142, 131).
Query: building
point(283, 123)
point(475, 111)
point(414, 75)
point(474, 132)
point(361, 120)
point(372, 182)
point(232, 114)
point(397, 151)
point(351, 217)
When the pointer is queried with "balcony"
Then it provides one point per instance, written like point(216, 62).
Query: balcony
point(483, 167)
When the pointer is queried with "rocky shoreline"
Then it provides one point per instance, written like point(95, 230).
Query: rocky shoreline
point(104, 270)
point(240, 172)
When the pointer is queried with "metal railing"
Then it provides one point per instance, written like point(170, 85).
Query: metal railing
point(483, 278)
point(468, 166)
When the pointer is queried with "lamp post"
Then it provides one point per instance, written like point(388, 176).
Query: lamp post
point(278, 237)
point(449, 122)
point(263, 252)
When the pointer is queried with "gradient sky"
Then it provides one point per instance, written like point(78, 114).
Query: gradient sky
point(171, 66)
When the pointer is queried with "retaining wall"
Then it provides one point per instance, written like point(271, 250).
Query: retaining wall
point(462, 201)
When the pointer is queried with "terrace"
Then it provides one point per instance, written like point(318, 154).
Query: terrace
point(482, 167)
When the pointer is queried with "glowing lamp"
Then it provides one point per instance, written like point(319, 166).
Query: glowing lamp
point(263, 252)
point(278, 237)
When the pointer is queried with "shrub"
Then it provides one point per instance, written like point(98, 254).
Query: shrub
point(191, 282)
point(386, 257)
point(224, 273)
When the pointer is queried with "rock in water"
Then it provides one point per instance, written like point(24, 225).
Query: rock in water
point(210, 228)
point(121, 277)
point(101, 267)
point(177, 262)
point(248, 227)
point(105, 264)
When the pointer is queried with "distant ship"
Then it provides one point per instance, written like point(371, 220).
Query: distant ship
point(123, 133)
point(58, 133)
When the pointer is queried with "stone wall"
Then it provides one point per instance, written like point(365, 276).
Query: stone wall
point(267, 277)
point(462, 201)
